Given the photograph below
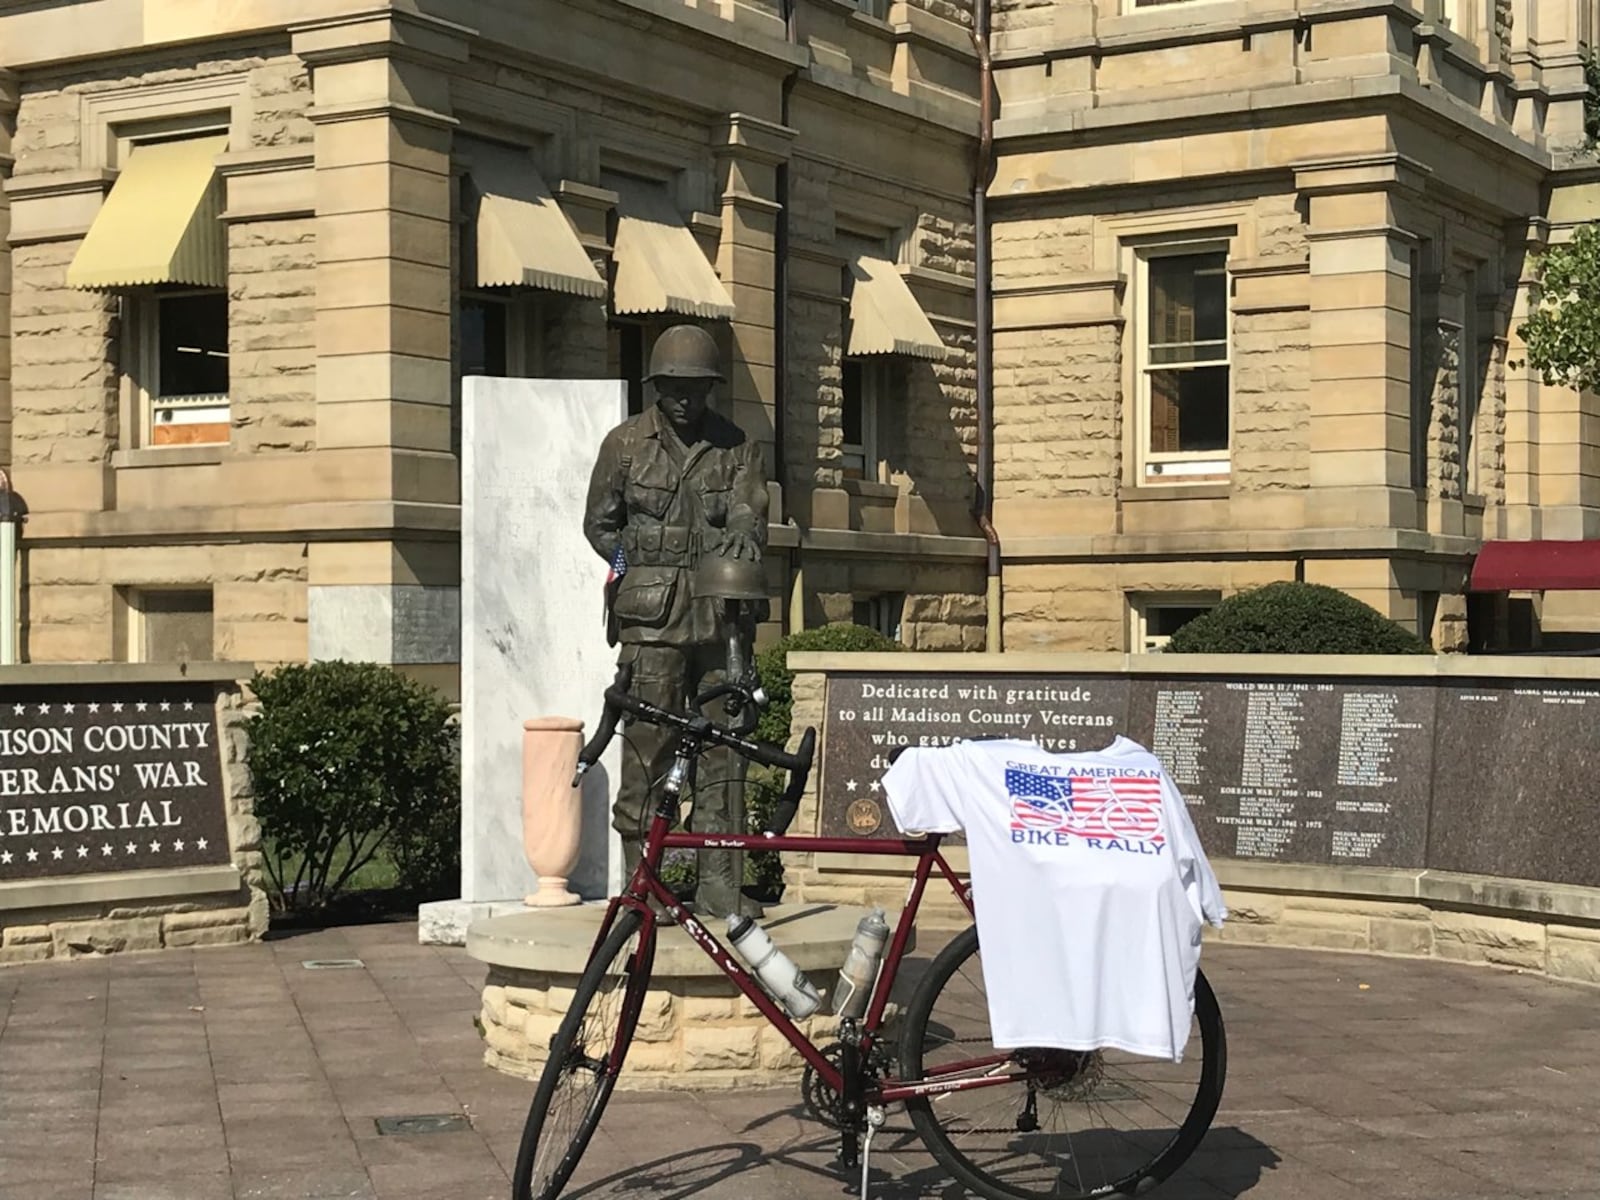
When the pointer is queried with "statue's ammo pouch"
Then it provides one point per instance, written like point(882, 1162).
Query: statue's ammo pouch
point(645, 597)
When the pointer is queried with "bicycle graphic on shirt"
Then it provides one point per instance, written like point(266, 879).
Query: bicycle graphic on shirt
point(1029, 1124)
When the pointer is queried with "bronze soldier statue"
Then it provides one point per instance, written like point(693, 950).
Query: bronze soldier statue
point(672, 487)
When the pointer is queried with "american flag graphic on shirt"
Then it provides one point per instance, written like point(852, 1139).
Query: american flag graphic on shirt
point(1090, 806)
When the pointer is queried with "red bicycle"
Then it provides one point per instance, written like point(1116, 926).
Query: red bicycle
point(1037, 1124)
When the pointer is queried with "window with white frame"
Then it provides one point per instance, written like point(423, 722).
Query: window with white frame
point(1183, 364)
point(863, 387)
point(178, 365)
point(882, 612)
point(1155, 619)
point(166, 624)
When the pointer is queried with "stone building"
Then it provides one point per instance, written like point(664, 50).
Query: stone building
point(1258, 275)
point(253, 247)
point(1254, 280)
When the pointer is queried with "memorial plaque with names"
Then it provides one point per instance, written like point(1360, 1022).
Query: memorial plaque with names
point(868, 716)
point(109, 777)
point(1517, 785)
point(1310, 771)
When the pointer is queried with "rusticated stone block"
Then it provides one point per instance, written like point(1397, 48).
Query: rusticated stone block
point(75, 939)
point(720, 1048)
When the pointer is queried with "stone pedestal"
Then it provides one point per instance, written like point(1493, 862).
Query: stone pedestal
point(697, 1031)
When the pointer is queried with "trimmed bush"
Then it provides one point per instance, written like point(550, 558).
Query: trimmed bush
point(350, 760)
point(1295, 618)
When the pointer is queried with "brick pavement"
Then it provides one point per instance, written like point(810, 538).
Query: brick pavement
point(236, 1073)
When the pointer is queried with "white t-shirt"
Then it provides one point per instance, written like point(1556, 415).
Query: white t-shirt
point(1089, 883)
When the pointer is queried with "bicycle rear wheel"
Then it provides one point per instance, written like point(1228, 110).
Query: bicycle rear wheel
point(586, 1056)
point(1074, 1124)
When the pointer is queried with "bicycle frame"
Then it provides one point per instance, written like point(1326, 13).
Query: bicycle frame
point(646, 884)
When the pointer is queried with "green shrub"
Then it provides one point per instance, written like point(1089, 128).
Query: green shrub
point(773, 666)
point(350, 760)
point(1294, 618)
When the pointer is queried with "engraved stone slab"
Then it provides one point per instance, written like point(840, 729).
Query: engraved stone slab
point(1517, 787)
point(869, 715)
point(104, 778)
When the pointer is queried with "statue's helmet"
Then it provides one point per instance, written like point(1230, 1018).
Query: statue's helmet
point(718, 577)
point(684, 352)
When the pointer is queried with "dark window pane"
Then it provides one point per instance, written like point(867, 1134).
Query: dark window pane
point(483, 338)
point(1188, 305)
point(177, 626)
point(631, 357)
point(1189, 410)
point(193, 336)
point(852, 403)
point(1167, 620)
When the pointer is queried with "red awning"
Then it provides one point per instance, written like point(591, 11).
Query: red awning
point(1536, 567)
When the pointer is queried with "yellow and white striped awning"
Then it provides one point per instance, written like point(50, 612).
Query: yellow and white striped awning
point(885, 317)
point(161, 223)
point(523, 237)
point(660, 268)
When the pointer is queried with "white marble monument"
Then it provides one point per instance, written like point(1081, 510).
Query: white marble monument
point(532, 631)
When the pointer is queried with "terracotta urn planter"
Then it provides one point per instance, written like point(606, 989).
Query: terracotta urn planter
point(552, 812)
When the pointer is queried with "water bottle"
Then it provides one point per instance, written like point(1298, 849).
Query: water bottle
point(860, 970)
point(784, 981)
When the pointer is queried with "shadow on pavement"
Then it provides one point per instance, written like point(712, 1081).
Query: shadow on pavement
point(1229, 1163)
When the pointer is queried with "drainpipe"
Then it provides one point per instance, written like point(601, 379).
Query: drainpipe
point(780, 326)
point(12, 514)
point(983, 173)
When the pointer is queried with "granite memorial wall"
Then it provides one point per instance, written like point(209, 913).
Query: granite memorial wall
point(1490, 776)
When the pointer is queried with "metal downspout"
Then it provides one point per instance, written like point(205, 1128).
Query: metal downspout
point(780, 326)
point(983, 173)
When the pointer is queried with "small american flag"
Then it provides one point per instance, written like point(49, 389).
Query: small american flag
point(1037, 801)
point(619, 567)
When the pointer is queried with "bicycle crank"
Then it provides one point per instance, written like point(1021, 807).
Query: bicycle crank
point(821, 1101)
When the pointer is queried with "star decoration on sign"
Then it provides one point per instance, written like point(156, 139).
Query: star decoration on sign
point(849, 785)
point(19, 709)
point(33, 856)
point(55, 853)
point(67, 708)
point(83, 852)
point(140, 707)
point(165, 707)
point(155, 847)
point(43, 708)
point(188, 706)
point(94, 708)
point(117, 707)
point(200, 844)
point(178, 845)
point(105, 849)
point(876, 785)
point(132, 848)
point(5, 858)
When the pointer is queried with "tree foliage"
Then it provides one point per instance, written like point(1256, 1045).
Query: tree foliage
point(349, 759)
point(1563, 332)
point(1294, 618)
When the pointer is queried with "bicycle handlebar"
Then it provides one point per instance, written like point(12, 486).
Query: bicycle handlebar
point(618, 702)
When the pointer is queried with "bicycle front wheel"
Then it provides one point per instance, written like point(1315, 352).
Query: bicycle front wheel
point(1074, 1124)
point(585, 1059)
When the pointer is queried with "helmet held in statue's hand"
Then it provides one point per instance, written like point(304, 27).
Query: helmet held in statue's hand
point(720, 577)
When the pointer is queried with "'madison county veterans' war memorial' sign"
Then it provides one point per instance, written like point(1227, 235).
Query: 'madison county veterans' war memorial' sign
point(1493, 776)
point(113, 777)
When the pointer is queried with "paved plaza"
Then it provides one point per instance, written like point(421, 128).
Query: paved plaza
point(240, 1073)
